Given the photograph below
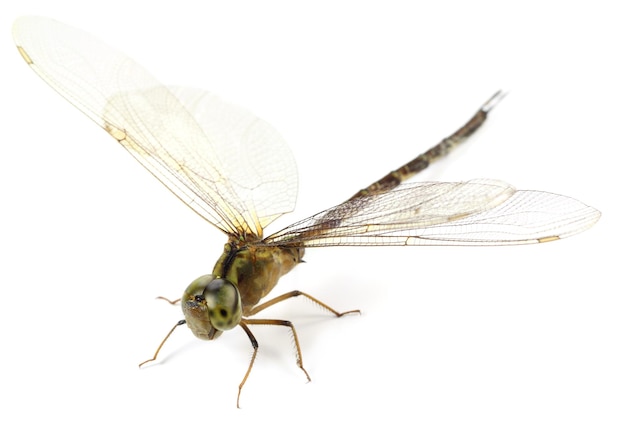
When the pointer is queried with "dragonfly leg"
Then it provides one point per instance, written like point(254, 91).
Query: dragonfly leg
point(394, 178)
point(274, 322)
point(293, 294)
point(180, 322)
point(255, 345)
point(172, 302)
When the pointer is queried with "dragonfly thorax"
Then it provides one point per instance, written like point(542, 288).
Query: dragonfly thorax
point(242, 276)
point(255, 269)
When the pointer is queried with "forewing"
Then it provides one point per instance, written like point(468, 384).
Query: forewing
point(478, 212)
point(230, 167)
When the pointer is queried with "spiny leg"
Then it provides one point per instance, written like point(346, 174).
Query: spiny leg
point(293, 294)
point(180, 323)
point(394, 178)
point(274, 322)
point(255, 345)
point(172, 302)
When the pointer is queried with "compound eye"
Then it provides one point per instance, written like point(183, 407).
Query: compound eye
point(224, 304)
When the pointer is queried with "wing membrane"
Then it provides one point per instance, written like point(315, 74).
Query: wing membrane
point(478, 212)
point(236, 172)
point(230, 167)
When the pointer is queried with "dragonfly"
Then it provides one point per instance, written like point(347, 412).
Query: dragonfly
point(236, 172)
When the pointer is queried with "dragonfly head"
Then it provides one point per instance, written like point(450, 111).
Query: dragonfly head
point(211, 305)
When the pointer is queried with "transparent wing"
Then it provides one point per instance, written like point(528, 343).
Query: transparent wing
point(478, 212)
point(230, 167)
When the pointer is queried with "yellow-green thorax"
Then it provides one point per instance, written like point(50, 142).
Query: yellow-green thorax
point(242, 276)
point(255, 270)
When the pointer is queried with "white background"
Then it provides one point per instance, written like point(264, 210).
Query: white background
point(88, 238)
